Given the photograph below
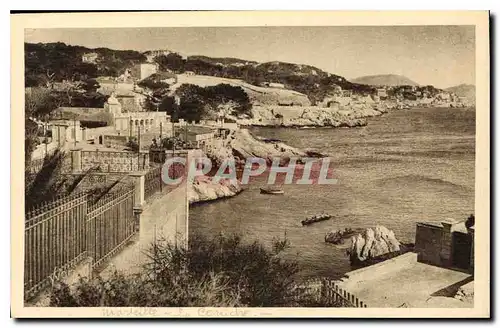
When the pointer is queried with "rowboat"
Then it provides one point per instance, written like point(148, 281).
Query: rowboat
point(272, 190)
point(316, 218)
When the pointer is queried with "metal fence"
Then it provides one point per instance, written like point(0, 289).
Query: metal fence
point(153, 182)
point(54, 239)
point(110, 224)
point(325, 292)
point(60, 234)
point(333, 294)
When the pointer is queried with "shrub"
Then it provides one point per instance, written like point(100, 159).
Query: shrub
point(222, 271)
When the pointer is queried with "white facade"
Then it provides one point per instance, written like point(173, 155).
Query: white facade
point(144, 121)
point(90, 57)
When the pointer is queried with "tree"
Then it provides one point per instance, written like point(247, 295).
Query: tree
point(84, 94)
point(38, 102)
point(229, 99)
point(171, 62)
point(192, 102)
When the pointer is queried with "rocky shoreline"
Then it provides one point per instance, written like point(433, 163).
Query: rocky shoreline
point(204, 189)
point(312, 116)
point(243, 145)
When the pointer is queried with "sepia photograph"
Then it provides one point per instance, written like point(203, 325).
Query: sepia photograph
point(238, 167)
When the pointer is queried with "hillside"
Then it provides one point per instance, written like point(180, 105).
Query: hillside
point(42, 66)
point(464, 90)
point(54, 62)
point(386, 79)
point(306, 79)
point(257, 95)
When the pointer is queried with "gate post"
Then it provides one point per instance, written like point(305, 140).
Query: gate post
point(139, 190)
point(76, 160)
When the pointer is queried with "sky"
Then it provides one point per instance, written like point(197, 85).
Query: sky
point(442, 56)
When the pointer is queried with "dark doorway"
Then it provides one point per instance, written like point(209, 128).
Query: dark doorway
point(100, 140)
point(462, 243)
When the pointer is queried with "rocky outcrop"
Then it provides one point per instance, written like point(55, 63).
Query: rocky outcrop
point(351, 115)
point(244, 145)
point(337, 237)
point(204, 189)
point(373, 243)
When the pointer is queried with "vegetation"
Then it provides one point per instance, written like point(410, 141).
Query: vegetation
point(172, 62)
point(42, 69)
point(158, 91)
point(39, 103)
point(197, 103)
point(222, 271)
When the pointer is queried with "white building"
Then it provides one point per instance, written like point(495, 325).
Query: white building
point(142, 71)
point(90, 57)
point(144, 121)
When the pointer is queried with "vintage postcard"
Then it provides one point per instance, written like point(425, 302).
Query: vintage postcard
point(250, 164)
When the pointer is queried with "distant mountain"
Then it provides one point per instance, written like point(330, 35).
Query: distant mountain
point(386, 79)
point(464, 90)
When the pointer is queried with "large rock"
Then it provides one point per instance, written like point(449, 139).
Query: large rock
point(338, 236)
point(244, 145)
point(204, 189)
point(373, 243)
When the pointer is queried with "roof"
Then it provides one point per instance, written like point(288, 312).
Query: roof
point(431, 224)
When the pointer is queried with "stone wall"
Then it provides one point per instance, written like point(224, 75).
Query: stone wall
point(428, 241)
point(111, 161)
point(94, 133)
point(435, 243)
point(44, 149)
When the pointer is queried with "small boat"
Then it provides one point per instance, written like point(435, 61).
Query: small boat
point(316, 218)
point(271, 140)
point(272, 190)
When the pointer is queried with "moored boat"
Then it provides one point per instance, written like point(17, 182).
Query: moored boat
point(272, 190)
point(316, 218)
